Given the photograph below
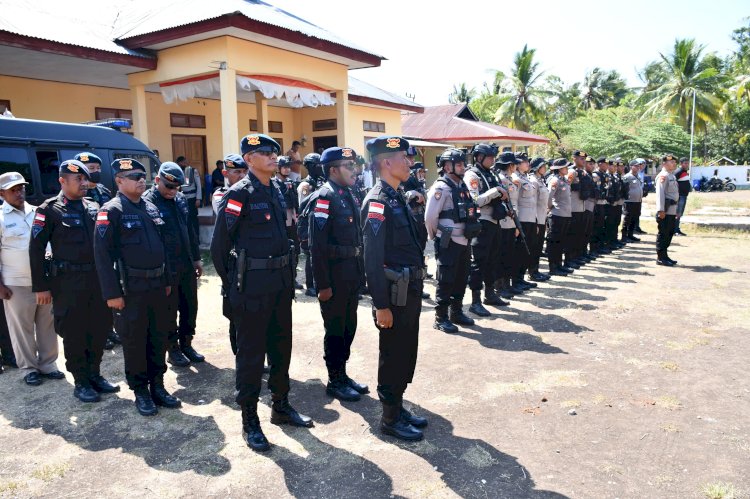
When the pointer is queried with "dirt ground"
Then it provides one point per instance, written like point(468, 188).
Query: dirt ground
point(652, 361)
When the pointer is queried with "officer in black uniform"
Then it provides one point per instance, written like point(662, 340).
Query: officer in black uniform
point(288, 187)
point(602, 181)
point(129, 234)
point(82, 318)
point(415, 190)
point(614, 209)
point(306, 187)
point(394, 265)
point(336, 245)
point(254, 258)
point(100, 195)
point(182, 249)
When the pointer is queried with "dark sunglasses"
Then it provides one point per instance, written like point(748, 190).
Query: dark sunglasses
point(349, 165)
point(134, 176)
point(169, 186)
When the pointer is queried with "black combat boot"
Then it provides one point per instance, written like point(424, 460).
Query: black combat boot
point(529, 285)
point(115, 337)
point(144, 403)
point(415, 421)
point(517, 287)
point(441, 320)
point(491, 298)
point(254, 437)
point(476, 304)
point(457, 315)
point(101, 385)
point(358, 387)
point(186, 346)
point(84, 392)
point(161, 396)
point(504, 289)
point(282, 412)
point(176, 357)
point(661, 259)
point(393, 424)
point(337, 387)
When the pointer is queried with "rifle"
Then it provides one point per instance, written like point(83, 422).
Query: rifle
point(514, 216)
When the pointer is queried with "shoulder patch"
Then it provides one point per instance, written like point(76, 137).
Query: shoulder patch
point(474, 184)
point(321, 212)
point(662, 178)
point(375, 216)
point(438, 194)
point(102, 223)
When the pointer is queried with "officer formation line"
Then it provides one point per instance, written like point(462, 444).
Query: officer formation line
point(132, 261)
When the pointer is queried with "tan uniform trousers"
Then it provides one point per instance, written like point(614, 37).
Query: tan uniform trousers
point(32, 330)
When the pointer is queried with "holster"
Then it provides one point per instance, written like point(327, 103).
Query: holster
point(399, 285)
point(445, 236)
point(240, 268)
point(293, 258)
point(122, 275)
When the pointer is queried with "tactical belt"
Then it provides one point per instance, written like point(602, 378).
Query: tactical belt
point(270, 263)
point(448, 214)
point(344, 251)
point(145, 273)
point(62, 266)
point(415, 273)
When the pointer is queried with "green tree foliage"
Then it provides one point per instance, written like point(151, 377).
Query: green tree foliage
point(732, 137)
point(522, 98)
point(624, 132)
point(461, 94)
point(602, 89)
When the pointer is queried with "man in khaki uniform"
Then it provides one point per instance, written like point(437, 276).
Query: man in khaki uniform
point(30, 322)
point(667, 194)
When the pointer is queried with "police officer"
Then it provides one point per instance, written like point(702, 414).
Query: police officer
point(559, 216)
point(100, 195)
point(526, 210)
point(181, 243)
point(415, 191)
point(537, 171)
point(258, 277)
point(601, 180)
point(504, 168)
point(578, 196)
point(613, 208)
point(394, 265)
point(66, 223)
point(488, 195)
point(633, 202)
point(622, 196)
point(335, 246)
point(667, 195)
point(288, 187)
point(450, 217)
point(309, 184)
point(129, 234)
point(589, 186)
point(233, 171)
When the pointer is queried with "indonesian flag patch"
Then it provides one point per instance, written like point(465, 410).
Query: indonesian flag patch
point(38, 225)
point(375, 216)
point(102, 223)
point(234, 207)
point(321, 212)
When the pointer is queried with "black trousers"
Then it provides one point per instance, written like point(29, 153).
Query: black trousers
point(143, 326)
point(340, 323)
point(485, 251)
point(226, 309)
point(558, 229)
point(6, 346)
point(614, 214)
point(599, 239)
point(541, 232)
point(309, 281)
point(588, 232)
point(526, 258)
point(507, 255)
point(193, 216)
point(83, 320)
point(264, 326)
point(291, 233)
point(632, 215)
point(576, 236)
point(452, 272)
point(664, 236)
point(398, 349)
point(183, 301)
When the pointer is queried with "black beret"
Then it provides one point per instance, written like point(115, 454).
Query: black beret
point(579, 154)
point(385, 144)
point(75, 167)
point(668, 157)
point(125, 165)
point(601, 159)
point(337, 154)
point(234, 161)
point(87, 157)
point(259, 142)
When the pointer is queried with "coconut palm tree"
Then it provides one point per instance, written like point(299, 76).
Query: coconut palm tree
point(602, 89)
point(461, 94)
point(687, 74)
point(523, 99)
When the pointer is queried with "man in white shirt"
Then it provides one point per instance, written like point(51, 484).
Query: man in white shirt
point(30, 323)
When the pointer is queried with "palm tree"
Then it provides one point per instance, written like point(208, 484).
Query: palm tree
point(461, 94)
point(523, 101)
point(602, 89)
point(687, 74)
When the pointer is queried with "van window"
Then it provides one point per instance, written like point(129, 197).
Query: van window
point(16, 159)
point(49, 171)
point(150, 162)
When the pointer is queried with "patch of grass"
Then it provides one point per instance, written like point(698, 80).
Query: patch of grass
point(670, 428)
point(570, 404)
point(719, 490)
point(49, 472)
point(602, 400)
point(668, 402)
point(10, 488)
point(686, 345)
point(669, 366)
point(478, 457)
point(541, 382)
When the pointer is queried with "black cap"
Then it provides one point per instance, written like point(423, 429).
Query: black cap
point(601, 159)
point(521, 157)
point(385, 144)
point(88, 157)
point(507, 158)
point(668, 157)
point(559, 164)
point(234, 161)
point(259, 142)
point(537, 163)
point(338, 154)
point(75, 167)
point(171, 172)
point(126, 165)
point(579, 154)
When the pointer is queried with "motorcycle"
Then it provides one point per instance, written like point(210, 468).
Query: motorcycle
point(715, 184)
point(728, 185)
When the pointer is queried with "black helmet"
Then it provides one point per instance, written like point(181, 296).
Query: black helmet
point(411, 151)
point(418, 165)
point(486, 149)
point(311, 159)
point(452, 155)
point(284, 161)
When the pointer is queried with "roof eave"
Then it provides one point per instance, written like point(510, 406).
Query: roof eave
point(238, 20)
point(489, 137)
point(383, 103)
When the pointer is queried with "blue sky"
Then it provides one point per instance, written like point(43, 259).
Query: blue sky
point(432, 45)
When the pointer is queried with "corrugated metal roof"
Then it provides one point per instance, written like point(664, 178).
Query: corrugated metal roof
point(440, 123)
point(157, 15)
point(67, 22)
point(361, 88)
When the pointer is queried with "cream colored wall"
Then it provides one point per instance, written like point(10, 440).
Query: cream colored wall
point(355, 131)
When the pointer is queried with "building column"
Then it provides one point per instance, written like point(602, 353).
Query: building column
point(261, 112)
point(228, 88)
point(342, 116)
point(140, 117)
